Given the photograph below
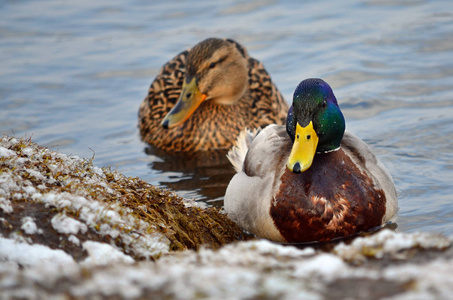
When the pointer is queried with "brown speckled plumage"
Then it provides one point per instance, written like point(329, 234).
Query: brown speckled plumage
point(212, 125)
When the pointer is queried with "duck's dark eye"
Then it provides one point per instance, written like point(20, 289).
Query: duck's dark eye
point(212, 65)
point(324, 104)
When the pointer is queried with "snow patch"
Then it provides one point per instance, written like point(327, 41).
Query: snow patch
point(17, 196)
point(101, 254)
point(325, 265)
point(29, 190)
point(5, 205)
point(28, 151)
point(29, 226)
point(73, 239)
point(67, 225)
point(389, 242)
point(6, 152)
point(32, 255)
point(434, 279)
point(98, 171)
point(37, 175)
point(7, 184)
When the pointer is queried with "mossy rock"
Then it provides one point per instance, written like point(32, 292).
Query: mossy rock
point(143, 221)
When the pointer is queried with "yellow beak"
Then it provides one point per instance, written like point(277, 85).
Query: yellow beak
point(188, 102)
point(304, 149)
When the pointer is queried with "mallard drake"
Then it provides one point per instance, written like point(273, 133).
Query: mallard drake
point(204, 97)
point(311, 180)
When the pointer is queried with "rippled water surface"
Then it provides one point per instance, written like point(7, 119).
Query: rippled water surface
point(73, 74)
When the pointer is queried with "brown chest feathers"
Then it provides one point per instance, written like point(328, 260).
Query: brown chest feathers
point(329, 200)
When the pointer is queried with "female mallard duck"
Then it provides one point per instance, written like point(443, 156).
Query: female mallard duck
point(204, 97)
point(312, 181)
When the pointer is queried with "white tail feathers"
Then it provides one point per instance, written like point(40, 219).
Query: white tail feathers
point(237, 153)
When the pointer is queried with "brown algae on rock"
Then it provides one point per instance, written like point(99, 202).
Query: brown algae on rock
point(136, 217)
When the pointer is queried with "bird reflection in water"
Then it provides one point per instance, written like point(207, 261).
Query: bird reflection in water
point(203, 175)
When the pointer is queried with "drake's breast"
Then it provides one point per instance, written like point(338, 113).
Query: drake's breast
point(331, 199)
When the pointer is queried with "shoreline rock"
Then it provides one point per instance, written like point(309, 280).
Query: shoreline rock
point(66, 200)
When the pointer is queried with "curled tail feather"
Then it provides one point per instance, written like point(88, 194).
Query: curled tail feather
point(237, 153)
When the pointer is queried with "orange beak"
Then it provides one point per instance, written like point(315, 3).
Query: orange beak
point(188, 102)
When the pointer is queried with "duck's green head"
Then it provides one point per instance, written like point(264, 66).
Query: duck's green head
point(315, 123)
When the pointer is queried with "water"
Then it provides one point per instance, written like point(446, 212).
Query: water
point(73, 74)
